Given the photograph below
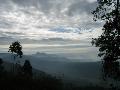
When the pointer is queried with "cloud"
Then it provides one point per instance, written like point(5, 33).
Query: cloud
point(81, 6)
point(46, 19)
point(4, 24)
point(52, 26)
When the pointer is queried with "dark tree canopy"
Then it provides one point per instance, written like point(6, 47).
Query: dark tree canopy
point(1, 67)
point(27, 68)
point(106, 10)
point(16, 48)
point(109, 41)
point(1, 61)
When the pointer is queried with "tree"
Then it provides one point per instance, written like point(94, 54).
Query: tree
point(1, 67)
point(16, 49)
point(27, 68)
point(109, 41)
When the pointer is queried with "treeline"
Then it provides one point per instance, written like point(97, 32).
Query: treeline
point(22, 78)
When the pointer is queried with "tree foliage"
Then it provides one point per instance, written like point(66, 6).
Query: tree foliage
point(16, 48)
point(27, 68)
point(106, 10)
point(21, 80)
point(109, 41)
point(1, 67)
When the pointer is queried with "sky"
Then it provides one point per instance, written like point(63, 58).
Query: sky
point(62, 27)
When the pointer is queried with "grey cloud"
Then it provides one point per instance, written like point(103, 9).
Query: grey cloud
point(43, 5)
point(13, 33)
point(24, 28)
point(66, 30)
point(5, 24)
point(5, 40)
point(74, 7)
point(61, 30)
point(54, 39)
point(93, 25)
point(47, 6)
point(8, 5)
point(5, 5)
point(9, 36)
point(79, 7)
point(23, 3)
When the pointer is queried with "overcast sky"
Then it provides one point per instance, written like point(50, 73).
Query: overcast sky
point(63, 27)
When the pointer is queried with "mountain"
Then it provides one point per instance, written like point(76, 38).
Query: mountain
point(38, 56)
point(8, 67)
point(74, 72)
point(49, 57)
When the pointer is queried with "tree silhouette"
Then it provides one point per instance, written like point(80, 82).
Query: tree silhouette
point(109, 41)
point(16, 48)
point(27, 68)
point(1, 67)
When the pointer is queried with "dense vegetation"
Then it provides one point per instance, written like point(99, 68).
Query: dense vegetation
point(23, 79)
point(109, 41)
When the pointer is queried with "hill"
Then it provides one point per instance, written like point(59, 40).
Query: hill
point(75, 72)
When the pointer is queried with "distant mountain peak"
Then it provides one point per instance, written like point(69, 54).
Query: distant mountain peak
point(40, 53)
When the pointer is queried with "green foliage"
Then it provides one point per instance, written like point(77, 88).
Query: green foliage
point(16, 48)
point(109, 41)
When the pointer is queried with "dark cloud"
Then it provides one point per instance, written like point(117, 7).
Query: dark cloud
point(23, 2)
point(5, 6)
point(8, 36)
point(79, 7)
point(6, 40)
